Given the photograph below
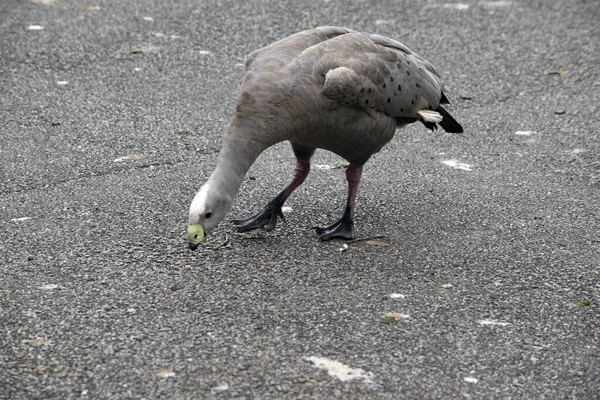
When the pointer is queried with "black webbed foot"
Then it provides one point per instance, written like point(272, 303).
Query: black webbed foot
point(342, 229)
point(266, 219)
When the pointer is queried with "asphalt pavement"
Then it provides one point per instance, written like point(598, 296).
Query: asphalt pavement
point(477, 272)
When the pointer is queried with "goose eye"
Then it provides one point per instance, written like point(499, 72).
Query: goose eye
point(208, 215)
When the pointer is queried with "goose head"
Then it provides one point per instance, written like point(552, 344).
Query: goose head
point(206, 211)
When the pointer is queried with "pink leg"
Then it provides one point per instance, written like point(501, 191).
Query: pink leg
point(344, 227)
point(300, 173)
point(353, 175)
point(267, 218)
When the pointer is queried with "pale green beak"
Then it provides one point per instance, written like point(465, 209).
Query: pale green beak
point(195, 235)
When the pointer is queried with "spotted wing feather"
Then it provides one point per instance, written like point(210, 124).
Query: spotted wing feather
point(382, 75)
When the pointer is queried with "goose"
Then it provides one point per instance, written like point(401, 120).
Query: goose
point(329, 88)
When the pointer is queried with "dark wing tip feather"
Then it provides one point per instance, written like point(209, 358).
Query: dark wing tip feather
point(444, 99)
point(449, 124)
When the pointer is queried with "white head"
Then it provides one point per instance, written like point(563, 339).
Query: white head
point(206, 211)
point(214, 199)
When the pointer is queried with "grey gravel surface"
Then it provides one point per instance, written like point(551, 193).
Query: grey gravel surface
point(495, 264)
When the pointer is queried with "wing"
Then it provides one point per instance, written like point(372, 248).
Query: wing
point(382, 75)
point(286, 50)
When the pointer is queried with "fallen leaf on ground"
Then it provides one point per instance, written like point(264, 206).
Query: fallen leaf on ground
point(339, 165)
point(129, 157)
point(377, 243)
point(386, 319)
point(391, 318)
point(37, 342)
point(581, 303)
point(253, 234)
point(560, 72)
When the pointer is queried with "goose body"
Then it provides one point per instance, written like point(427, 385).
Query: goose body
point(331, 88)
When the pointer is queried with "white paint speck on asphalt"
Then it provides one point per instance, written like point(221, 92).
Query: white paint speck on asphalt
point(165, 373)
point(456, 6)
point(221, 387)
point(524, 133)
point(341, 371)
point(20, 219)
point(458, 165)
point(397, 296)
point(50, 286)
point(492, 322)
point(495, 4)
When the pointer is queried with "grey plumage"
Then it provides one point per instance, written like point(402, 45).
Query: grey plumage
point(331, 88)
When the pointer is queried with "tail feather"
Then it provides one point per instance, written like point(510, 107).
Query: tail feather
point(449, 124)
point(444, 99)
point(430, 116)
